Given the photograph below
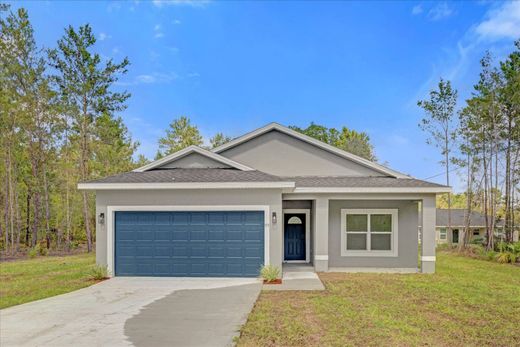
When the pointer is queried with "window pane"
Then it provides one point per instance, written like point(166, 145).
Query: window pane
point(357, 222)
point(381, 222)
point(357, 242)
point(381, 242)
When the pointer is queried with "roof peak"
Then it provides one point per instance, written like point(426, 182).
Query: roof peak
point(325, 146)
point(189, 150)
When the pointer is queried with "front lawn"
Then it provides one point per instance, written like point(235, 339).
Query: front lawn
point(468, 302)
point(28, 280)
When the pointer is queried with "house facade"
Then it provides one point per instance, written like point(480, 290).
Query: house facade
point(477, 228)
point(269, 197)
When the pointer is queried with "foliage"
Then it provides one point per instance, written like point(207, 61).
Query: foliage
point(33, 279)
point(270, 272)
point(179, 135)
point(349, 140)
point(218, 140)
point(467, 302)
point(34, 251)
point(58, 126)
point(99, 273)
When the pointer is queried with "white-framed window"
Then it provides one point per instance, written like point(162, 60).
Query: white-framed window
point(369, 232)
point(443, 234)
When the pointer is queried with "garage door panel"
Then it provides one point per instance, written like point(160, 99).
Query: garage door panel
point(217, 243)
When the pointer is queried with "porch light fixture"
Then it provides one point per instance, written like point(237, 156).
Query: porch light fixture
point(101, 218)
point(274, 218)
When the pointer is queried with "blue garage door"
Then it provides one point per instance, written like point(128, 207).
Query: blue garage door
point(198, 244)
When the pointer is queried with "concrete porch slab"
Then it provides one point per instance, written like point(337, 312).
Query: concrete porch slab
point(297, 278)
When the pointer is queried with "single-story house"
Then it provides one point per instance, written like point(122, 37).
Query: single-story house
point(271, 196)
point(458, 224)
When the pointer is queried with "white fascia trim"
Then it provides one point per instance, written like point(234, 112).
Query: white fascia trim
point(185, 185)
point(372, 190)
point(428, 258)
point(110, 223)
point(308, 139)
point(193, 149)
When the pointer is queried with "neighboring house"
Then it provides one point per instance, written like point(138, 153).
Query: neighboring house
point(268, 197)
point(458, 224)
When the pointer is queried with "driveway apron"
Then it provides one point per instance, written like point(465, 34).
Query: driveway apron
point(140, 311)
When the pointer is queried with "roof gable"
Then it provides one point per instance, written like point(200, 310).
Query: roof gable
point(364, 166)
point(193, 157)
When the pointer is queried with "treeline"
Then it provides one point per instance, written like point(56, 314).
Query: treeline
point(483, 139)
point(58, 126)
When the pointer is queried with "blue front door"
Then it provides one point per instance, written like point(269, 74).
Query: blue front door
point(294, 236)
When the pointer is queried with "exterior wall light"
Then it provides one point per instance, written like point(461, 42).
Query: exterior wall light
point(101, 218)
point(274, 218)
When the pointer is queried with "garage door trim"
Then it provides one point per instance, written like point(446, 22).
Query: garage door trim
point(110, 223)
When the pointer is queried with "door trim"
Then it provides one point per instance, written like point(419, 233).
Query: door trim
point(110, 223)
point(307, 213)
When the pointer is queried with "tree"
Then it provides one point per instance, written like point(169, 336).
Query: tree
point(218, 140)
point(440, 125)
point(84, 84)
point(509, 94)
point(357, 143)
point(181, 134)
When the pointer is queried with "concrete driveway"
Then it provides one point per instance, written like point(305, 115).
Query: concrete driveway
point(135, 311)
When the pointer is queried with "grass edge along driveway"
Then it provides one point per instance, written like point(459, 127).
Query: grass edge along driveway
point(27, 280)
point(467, 302)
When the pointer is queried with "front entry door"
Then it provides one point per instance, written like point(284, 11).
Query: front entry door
point(455, 236)
point(294, 236)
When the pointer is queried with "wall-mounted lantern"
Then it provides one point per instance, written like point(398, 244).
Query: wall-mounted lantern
point(101, 218)
point(274, 218)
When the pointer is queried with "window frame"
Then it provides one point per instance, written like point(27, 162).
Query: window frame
point(393, 252)
point(443, 232)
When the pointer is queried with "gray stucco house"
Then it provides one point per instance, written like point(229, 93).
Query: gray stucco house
point(268, 197)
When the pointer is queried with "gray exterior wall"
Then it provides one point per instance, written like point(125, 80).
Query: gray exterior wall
point(408, 221)
point(212, 197)
point(194, 161)
point(283, 155)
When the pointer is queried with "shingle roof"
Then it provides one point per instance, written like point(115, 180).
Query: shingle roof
point(189, 175)
point(348, 182)
point(458, 218)
point(234, 175)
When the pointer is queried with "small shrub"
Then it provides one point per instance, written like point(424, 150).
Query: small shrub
point(33, 252)
point(43, 251)
point(490, 255)
point(99, 273)
point(505, 257)
point(74, 244)
point(270, 272)
point(477, 241)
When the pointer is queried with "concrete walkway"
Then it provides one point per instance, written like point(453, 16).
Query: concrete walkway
point(297, 277)
point(127, 311)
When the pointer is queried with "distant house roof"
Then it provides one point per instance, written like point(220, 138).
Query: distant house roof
point(458, 218)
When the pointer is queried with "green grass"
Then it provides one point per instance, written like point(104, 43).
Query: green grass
point(467, 302)
point(22, 281)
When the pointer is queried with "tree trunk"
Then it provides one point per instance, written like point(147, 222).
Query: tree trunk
point(84, 172)
point(447, 159)
point(28, 219)
point(47, 209)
